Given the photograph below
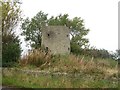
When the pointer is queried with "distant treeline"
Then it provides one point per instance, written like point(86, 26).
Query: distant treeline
point(97, 53)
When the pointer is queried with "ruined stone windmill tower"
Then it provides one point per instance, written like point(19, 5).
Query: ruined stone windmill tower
point(56, 39)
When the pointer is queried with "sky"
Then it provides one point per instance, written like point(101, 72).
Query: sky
point(100, 16)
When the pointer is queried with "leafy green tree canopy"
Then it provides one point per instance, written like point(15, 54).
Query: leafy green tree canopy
point(10, 15)
point(32, 29)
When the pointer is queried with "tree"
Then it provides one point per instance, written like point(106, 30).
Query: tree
point(116, 55)
point(77, 30)
point(32, 29)
point(118, 52)
point(96, 53)
point(10, 16)
point(11, 50)
point(10, 43)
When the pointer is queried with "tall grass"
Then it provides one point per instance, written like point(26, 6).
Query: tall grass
point(35, 57)
point(69, 63)
point(90, 71)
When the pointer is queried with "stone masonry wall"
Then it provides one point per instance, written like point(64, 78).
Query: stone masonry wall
point(56, 39)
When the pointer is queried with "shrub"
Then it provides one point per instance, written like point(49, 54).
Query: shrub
point(11, 50)
point(96, 53)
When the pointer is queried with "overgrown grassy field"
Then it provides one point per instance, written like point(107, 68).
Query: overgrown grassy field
point(68, 71)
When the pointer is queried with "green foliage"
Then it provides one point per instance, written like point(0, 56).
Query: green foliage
point(11, 50)
point(96, 53)
point(10, 43)
point(75, 49)
point(77, 30)
point(10, 15)
point(117, 54)
point(32, 29)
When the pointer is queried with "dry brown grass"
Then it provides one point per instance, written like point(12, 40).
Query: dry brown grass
point(36, 57)
point(92, 72)
point(68, 63)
